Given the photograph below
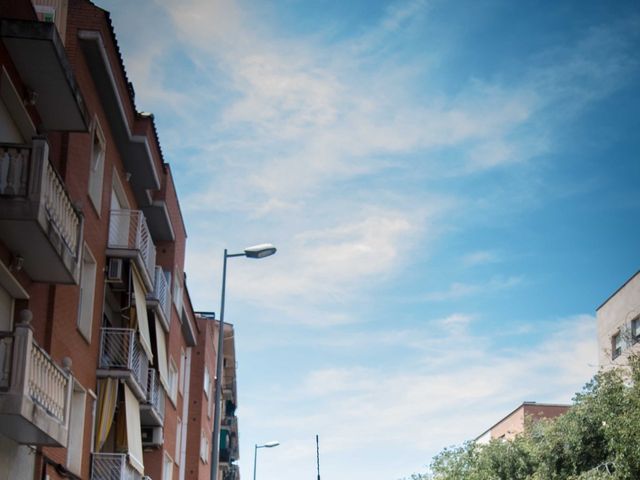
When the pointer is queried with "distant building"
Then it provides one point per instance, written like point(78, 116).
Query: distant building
point(619, 324)
point(515, 422)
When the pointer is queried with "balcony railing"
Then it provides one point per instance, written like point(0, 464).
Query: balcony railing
point(160, 297)
point(152, 410)
point(121, 355)
point(31, 191)
point(35, 393)
point(129, 237)
point(231, 473)
point(112, 466)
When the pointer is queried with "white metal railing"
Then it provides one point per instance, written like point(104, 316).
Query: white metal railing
point(26, 171)
point(155, 394)
point(120, 349)
point(112, 466)
point(161, 292)
point(128, 230)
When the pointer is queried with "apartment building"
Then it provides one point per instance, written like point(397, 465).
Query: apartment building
point(516, 422)
point(97, 330)
point(618, 320)
point(202, 389)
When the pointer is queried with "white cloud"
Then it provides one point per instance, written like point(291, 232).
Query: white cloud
point(380, 407)
point(461, 289)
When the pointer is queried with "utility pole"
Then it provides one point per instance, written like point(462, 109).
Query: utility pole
point(318, 455)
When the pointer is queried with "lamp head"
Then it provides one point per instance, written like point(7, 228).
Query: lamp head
point(260, 251)
point(271, 444)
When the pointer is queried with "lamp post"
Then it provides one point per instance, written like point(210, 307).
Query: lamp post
point(255, 454)
point(257, 251)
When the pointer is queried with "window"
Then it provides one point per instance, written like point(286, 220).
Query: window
point(76, 428)
point(173, 381)
point(616, 345)
point(167, 473)
point(204, 447)
point(177, 291)
point(87, 293)
point(96, 169)
point(635, 329)
point(207, 381)
point(210, 404)
point(182, 372)
point(178, 441)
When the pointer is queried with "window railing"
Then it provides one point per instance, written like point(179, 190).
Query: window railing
point(128, 230)
point(155, 394)
point(112, 466)
point(120, 349)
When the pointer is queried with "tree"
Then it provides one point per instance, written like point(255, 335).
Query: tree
point(598, 438)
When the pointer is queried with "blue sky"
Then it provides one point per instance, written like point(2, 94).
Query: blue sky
point(453, 189)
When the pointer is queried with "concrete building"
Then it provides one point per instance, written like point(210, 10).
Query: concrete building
point(97, 331)
point(619, 324)
point(516, 421)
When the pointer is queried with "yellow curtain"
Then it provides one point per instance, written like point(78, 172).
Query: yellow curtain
point(107, 398)
point(134, 433)
point(161, 361)
point(121, 429)
point(141, 312)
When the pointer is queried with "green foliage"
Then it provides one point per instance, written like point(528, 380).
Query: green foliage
point(599, 438)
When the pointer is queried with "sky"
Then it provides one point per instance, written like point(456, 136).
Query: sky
point(452, 187)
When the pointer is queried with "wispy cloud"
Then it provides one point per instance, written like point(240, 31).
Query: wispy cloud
point(460, 289)
point(375, 407)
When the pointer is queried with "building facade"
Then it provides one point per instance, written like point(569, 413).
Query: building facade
point(516, 422)
point(619, 324)
point(97, 330)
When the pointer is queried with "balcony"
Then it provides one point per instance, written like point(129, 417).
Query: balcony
point(129, 237)
point(160, 299)
point(152, 410)
point(112, 466)
point(122, 356)
point(231, 473)
point(34, 392)
point(38, 221)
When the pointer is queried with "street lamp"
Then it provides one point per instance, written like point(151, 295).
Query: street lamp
point(257, 251)
point(255, 454)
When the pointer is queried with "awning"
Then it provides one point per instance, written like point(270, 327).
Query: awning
point(161, 361)
point(134, 434)
point(141, 312)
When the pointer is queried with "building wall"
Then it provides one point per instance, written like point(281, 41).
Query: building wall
point(615, 317)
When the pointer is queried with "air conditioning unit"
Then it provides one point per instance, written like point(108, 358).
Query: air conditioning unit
point(115, 272)
point(152, 436)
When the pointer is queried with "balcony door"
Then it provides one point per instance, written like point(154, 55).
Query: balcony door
point(6, 310)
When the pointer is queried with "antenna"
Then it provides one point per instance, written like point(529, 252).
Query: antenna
point(318, 455)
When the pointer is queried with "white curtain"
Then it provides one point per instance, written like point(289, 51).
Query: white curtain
point(161, 361)
point(141, 312)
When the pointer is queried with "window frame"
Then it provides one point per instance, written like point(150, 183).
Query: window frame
point(87, 294)
point(616, 345)
point(95, 185)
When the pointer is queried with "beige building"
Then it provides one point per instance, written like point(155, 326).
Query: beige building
point(619, 324)
point(516, 421)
